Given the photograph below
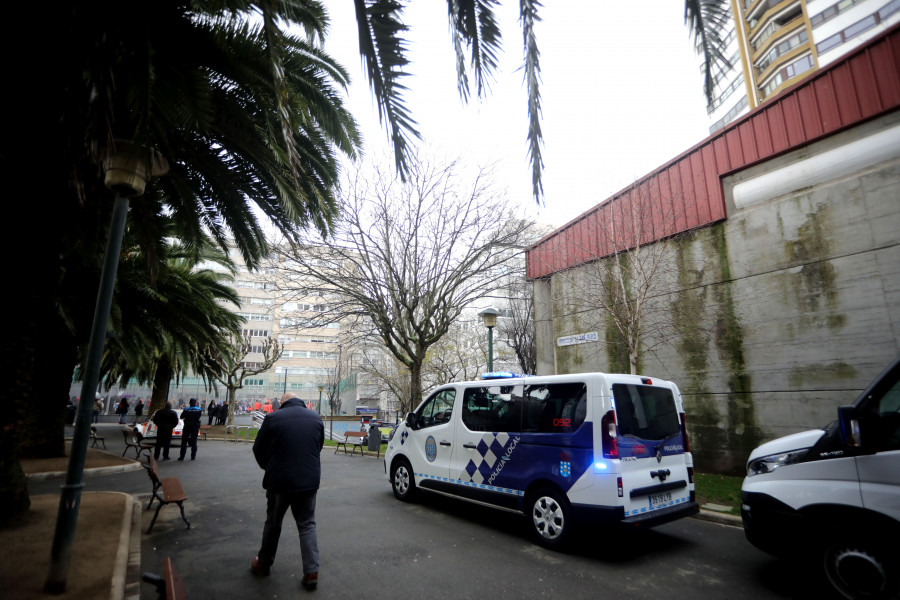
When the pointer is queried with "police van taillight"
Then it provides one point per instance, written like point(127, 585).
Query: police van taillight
point(609, 435)
point(684, 434)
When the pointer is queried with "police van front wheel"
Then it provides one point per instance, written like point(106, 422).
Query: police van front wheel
point(402, 481)
point(549, 518)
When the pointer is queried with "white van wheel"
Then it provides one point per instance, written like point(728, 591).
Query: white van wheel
point(402, 481)
point(549, 518)
point(857, 568)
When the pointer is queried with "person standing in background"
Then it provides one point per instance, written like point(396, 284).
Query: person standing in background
point(191, 417)
point(122, 411)
point(166, 420)
point(138, 410)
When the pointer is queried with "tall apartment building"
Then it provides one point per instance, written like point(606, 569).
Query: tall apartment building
point(313, 356)
point(773, 44)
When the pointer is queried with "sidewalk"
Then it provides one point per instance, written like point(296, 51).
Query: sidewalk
point(106, 550)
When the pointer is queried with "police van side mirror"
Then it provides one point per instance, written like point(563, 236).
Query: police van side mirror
point(411, 421)
point(850, 431)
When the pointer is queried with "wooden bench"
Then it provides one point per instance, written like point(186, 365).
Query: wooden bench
point(98, 438)
point(171, 490)
point(169, 586)
point(134, 439)
point(352, 438)
point(203, 430)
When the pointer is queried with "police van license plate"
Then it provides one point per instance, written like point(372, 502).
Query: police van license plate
point(657, 500)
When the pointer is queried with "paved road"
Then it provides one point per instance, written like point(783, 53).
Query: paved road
point(371, 544)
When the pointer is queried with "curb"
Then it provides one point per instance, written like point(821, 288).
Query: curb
point(117, 585)
point(720, 518)
point(132, 570)
point(87, 472)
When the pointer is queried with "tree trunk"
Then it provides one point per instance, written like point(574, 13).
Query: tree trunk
point(232, 395)
point(415, 385)
point(161, 380)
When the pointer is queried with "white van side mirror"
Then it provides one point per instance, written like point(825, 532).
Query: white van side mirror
point(850, 433)
point(411, 421)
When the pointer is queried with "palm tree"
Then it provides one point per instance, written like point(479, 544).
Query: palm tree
point(474, 30)
point(238, 97)
point(161, 329)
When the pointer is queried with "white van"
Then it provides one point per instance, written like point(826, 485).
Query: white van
point(834, 494)
point(557, 449)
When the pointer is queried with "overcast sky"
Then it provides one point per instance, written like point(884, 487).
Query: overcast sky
point(621, 95)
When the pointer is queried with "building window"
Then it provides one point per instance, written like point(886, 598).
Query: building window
point(832, 11)
point(857, 28)
point(781, 49)
point(255, 332)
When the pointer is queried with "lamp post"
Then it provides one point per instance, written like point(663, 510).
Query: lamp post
point(128, 167)
point(284, 391)
point(489, 316)
point(320, 399)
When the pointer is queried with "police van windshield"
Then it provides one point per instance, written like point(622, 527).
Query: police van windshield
point(645, 412)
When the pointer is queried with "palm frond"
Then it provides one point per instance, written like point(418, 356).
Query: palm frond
point(473, 26)
point(707, 20)
point(384, 52)
point(528, 15)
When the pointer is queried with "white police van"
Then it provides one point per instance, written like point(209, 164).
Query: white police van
point(557, 449)
point(833, 494)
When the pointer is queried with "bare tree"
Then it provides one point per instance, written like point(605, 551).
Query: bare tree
point(516, 328)
point(391, 378)
point(407, 257)
point(633, 267)
point(232, 368)
point(461, 355)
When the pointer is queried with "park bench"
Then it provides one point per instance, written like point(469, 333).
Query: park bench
point(354, 439)
point(169, 586)
point(97, 438)
point(134, 439)
point(203, 431)
point(255, 423)
point(172, 492)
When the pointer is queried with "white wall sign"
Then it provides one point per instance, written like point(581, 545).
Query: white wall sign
point(579, 338)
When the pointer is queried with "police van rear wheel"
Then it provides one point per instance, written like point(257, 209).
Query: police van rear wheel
point(402, 481)
point(549, 518)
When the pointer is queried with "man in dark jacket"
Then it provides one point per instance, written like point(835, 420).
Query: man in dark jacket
point(166, 420)
point(191, 417)
point(287, 448)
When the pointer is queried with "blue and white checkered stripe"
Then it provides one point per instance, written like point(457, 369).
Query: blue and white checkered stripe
point(472, 484)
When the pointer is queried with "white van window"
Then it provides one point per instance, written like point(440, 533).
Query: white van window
point(645, 412)
point(437, 409)
point(493, 408)
point(555, 407)
point(548, 408)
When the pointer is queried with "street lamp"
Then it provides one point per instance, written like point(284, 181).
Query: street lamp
point(128, 167)
point(320, 399)
point(489, 316)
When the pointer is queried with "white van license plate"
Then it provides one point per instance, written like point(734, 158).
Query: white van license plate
point(657, 500)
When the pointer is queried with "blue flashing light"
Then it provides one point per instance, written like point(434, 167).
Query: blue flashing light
point(500, 375)
point(601, 466)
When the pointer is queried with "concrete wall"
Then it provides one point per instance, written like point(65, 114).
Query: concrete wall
point(781, 313)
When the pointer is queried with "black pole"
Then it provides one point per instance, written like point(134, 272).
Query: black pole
point(490, 349)
point(70, 498)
